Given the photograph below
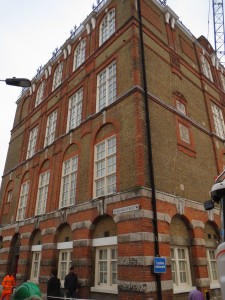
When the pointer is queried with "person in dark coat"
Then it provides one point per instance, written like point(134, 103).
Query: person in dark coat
point(53, 286)
point(71, 284)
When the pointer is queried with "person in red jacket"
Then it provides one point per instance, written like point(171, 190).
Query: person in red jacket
point(8, 284)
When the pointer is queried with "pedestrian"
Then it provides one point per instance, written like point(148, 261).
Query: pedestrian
point(71, 284)
point(196, 295)
point(53, 286)
point(8, 284)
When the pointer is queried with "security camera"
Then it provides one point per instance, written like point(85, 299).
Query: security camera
point(218, 190)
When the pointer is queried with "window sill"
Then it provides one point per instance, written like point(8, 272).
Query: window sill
point(108, 290)
point(183, 289)
point(215, 285)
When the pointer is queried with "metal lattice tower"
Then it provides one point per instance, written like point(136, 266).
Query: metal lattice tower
point(219, 32)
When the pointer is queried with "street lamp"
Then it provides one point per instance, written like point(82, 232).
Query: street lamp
point(22, 82)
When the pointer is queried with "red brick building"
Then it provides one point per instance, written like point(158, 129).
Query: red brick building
point(113, 151)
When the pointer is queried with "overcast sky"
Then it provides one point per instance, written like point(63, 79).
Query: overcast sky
point(32, 29)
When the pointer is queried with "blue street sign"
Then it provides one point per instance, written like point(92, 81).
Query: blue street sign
point(159, 264)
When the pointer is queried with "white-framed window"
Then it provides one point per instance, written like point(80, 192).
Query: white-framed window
point(106, 87)
point(65, 262)
point(218, 120)
point(212, 266)
point(79, 54)
point(23, 201)
point(106, 257)
point(180, 265)
point(75, 110)
point(50, 129)
point(31, 149)
point(105, 167)
point(107, 26)
point(69, 182)
point(40, 94)
point(35, 267)
point(42, 193)
point(206, 69)
point(57, 78)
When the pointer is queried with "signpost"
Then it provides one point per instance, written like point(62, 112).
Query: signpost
point(159, 265)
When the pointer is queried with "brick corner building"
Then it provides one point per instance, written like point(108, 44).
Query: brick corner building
point(113, 151)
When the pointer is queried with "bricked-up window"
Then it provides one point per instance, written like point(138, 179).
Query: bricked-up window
point(40, 93)
point(75, 110)
point(32, 142)
point(35, 267)
point(79, 54)
point(42, 193)
point(212, 266)
point(218, 120)
point(180, 266)
point(69, 182)
point(106, 87)
point(107, 26)
point(57, 78)
point(51, 128)
point(206, 69)
point(105, 167)
point(23, 201)
point(65, 262)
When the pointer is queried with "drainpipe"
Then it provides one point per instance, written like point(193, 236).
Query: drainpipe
point(149, 147)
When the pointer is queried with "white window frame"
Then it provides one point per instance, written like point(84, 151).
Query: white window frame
point(181, 266)
point(79, 54)
point(106, 87)
point(31, 149)
point(105, 167)
point(75, 110)
point(69, 182)
point(40, 93)
point(218, 120)
point(36, 261)
point(42, 195)
point(57, 78)
point(65, 260)
point(21, 211)
point(212, 268)
point(206, 69)
point(107, 245)
point(51, 128)
point(107, 26)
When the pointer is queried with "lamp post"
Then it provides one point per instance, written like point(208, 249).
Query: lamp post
point(21, 82)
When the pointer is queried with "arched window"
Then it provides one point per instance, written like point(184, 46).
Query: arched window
point(57, 79)
point(206, 69)
point(79, 54)
point(180, 255)
point(105, 167)
point(40, 93)
point(107, 26)
point(69, 177)
point(24, 193)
